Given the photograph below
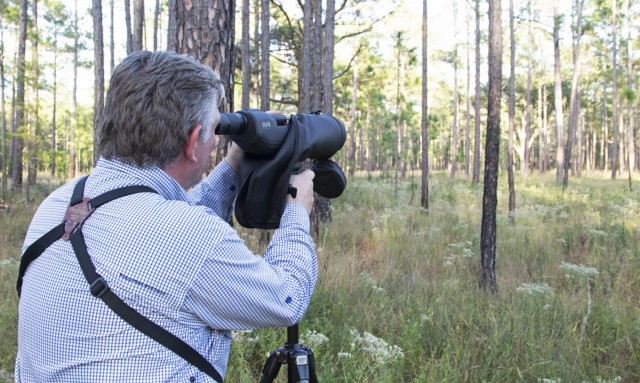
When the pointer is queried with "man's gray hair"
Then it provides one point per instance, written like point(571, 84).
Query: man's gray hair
point(154, 102)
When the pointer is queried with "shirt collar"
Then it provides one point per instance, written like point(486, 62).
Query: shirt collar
point(147, 175)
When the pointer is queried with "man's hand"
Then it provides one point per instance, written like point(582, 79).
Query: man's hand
point(234, 156)
point(303, 182)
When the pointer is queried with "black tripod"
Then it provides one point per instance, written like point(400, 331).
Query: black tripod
point(298, 358)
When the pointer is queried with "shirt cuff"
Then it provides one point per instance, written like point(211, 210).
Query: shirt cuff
point(295, 215)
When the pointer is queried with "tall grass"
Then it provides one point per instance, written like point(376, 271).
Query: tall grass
point(398, 301)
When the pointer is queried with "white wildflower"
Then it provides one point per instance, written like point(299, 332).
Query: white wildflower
point(380, 350)
point(579, 270)
point(313, 338)
point(535, 289)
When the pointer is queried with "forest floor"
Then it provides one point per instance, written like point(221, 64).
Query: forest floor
point(397, 298)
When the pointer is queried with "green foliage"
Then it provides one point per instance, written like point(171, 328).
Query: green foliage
point(409, 280)
point(397, 296)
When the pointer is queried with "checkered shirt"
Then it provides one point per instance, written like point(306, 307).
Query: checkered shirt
point(174, 258)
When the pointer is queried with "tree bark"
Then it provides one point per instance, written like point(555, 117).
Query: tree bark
point(526, 147)
point(264, 63)
point(476, 141)
point(574, 104)
point(558, 93)
point(614, 96)
point(138, 25)
point(352, 126)
point(246, 64)
point(329, 49)
point(74, 96)
point(32, 139)
point(317, 50)
point(3, 118)
point(492, 151)
point(54, 90)
point(512, 109)
point(156, 26)
point(467, 136)
point(631, 130)
point(424, 121)
point(304, 104)
point(17, 142)
point(98, 70)
point(127, 19)
point(204, 30)
point(112, 53)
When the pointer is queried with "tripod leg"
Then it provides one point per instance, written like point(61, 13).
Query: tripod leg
point(271, 367)
point(312, 366)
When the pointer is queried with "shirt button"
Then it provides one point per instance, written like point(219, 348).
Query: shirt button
point(233, 188)
point(288, 300)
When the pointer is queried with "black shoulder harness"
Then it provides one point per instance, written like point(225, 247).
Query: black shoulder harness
point(80, 208)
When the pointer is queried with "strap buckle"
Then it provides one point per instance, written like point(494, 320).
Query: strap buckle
point(75, 217)
point(99, 287)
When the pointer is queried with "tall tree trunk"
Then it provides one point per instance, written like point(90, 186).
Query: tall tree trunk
point(476, 141)
point(246, 63)
point(454, 128)
point(327, 71)
point(98, 70)
point(264, 63)
point(352, 127)
point(156, 26)
point(171, 26)
point(317, 52)
point(512, 109)
point(492, 151)
point(614, 96)
point(138, 25)
point(541, 126)
point(112, 49)
point(32, 139)
point(545, 127)
point(304, 104)
point(526, 148)
point(74, 96)
point(127, 21)
point(574, 104)
point(631, 147)
point(467, 128)
point(3, 117)
point(424, 123)
point(17, 141)
point(558, 93)
point(54, 144)
point(204, 30)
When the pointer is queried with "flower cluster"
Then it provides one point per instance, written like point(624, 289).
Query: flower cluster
point(368, 280)
point(313, 338)
point(536, 289)
point(579, 270)
point(380, 351)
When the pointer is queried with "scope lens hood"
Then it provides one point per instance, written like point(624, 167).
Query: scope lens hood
point(329, 181)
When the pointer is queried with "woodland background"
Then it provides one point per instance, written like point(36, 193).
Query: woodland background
point(542, 93)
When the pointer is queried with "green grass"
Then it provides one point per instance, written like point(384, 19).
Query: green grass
point(410, 279)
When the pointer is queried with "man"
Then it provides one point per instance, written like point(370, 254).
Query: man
point(170, 255)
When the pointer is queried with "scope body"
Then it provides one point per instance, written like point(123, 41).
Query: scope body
point(262, 134)
point(254, 131)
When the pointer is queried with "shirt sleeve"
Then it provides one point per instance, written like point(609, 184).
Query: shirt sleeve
point(218, 190)
point(237, 290)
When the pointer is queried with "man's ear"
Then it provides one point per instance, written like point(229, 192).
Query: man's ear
point(192, 142)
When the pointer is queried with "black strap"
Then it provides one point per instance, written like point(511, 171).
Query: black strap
point(99, 288)
point(35, 249)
